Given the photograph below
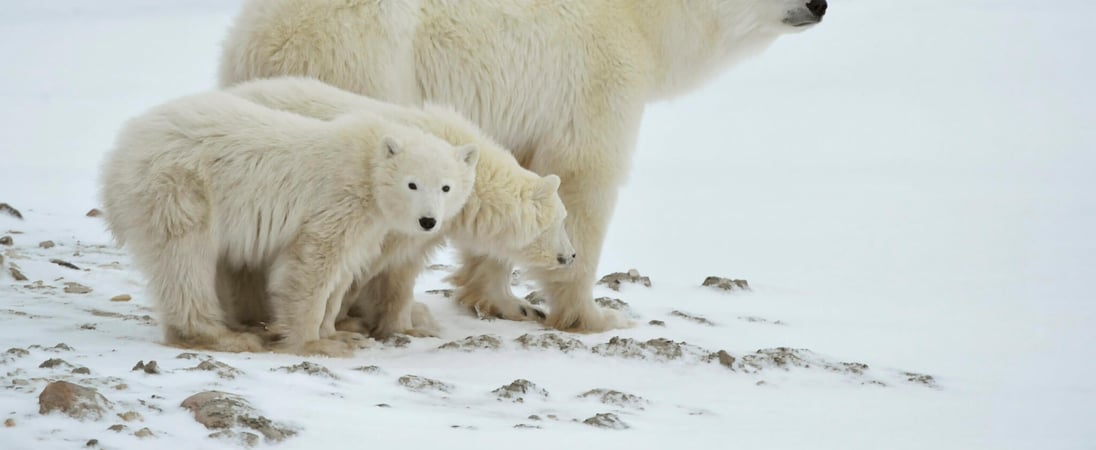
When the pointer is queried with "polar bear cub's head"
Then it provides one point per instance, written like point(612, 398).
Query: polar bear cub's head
point(540, 239)
point(420, 181)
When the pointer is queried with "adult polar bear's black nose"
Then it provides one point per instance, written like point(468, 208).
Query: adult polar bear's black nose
point(427, 223)
point(565, 260)
point(818, 7)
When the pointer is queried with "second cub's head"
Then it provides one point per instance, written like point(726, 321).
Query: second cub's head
point(420, 181)
point(534, 233)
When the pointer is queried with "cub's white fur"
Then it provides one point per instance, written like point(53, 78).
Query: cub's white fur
point(215, 180)
point(512, 213)
point(562, 83)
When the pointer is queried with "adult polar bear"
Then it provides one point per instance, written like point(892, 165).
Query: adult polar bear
point(562, 83)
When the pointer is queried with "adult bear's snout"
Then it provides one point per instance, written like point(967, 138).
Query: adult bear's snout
point(817, 7)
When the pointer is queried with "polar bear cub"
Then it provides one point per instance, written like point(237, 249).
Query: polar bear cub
point(215, 178)
point(513, 214)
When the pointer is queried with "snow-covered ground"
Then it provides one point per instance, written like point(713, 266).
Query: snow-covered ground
point(908, 186)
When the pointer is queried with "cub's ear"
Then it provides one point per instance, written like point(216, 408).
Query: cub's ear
point(468, 153)
point(549, 184)
point(391, 146)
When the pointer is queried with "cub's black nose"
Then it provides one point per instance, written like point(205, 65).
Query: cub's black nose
point(564, 259)
point(427, 223)
point(818, 7)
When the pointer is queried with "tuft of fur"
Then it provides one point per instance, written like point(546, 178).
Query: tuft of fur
point(561, 83)
point(203, 189)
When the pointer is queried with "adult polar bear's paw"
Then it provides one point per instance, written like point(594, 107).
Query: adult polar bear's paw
point(319, 347)
point(587, 318)
point(353, 339)
point(227, 341)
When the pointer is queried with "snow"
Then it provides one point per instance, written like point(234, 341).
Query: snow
point(909, 186)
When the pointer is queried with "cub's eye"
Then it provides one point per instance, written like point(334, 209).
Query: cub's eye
point(412, 186)
point(445, 188)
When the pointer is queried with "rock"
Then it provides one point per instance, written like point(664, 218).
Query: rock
point(117, 428)
point(755, 319)
point(94, 212)
point(616, 398)
point(16, 273)
point(121, 298)
point(76, 401)
point(6, 240)
point(8, 423)
point(222, 411)
point(657, 323)
point(518, 390)
point(920, 378)
point(470, 343)
point(130, 416)
point(243, 438)
point(447, 293)
point(46, 244)
point(151, 368)
point(369, 369)
point(726, 284)
point(308, 368)
point(691, 317)
point(16, 352)
point(658, 349)
point(222, 370)
point(10, 210)
point(91, 443)
point(527, 426)
point(606, 420)
point(723, 357)
point(81, 371)
point(144, 433)
point(65, 264)
point(73, 287)
point(616, 279)
point(550, 341)
point(53, 362)
point(422, 384)
point(612, 303)
point(192, 355)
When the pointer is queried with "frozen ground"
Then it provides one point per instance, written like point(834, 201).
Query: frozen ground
point(908, 186)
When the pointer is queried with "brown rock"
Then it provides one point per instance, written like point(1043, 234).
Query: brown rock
point(420, 384)
point(723, 357)
point(117, 428)
point(9, 210)
point(121, 298)
point(6, 240)
point(8, 423)
point(606, 420)
point(73, 287)
point(144, 433)
point(15, 273)
point(614, 280)
point(94, 212)
point(221, 410)
point(74, 400)
point(65, 264)
point(46, 244)
point(130, 416)
point(726, 284)
point(518, 390)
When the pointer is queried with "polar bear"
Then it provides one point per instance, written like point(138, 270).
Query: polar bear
point(512, 213)
point(213, 177)
point(561, 83)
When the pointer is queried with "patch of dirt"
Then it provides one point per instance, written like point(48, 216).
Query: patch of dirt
point(659, 349)
point(724, 358)
point(726, 284)
point(550, 341)
point(76, 401)
point(447, 293)
point(615, 304)
point(423, 384)
point(224, 411)
point(920, 378)
point(308, 368)
point(692, 317)
point(606, 420)
point(615, 398)
point(616, 279)
point(755, 319)
point(518, 390)
point(54, 362)
point(472, 343)
point(369, 369)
